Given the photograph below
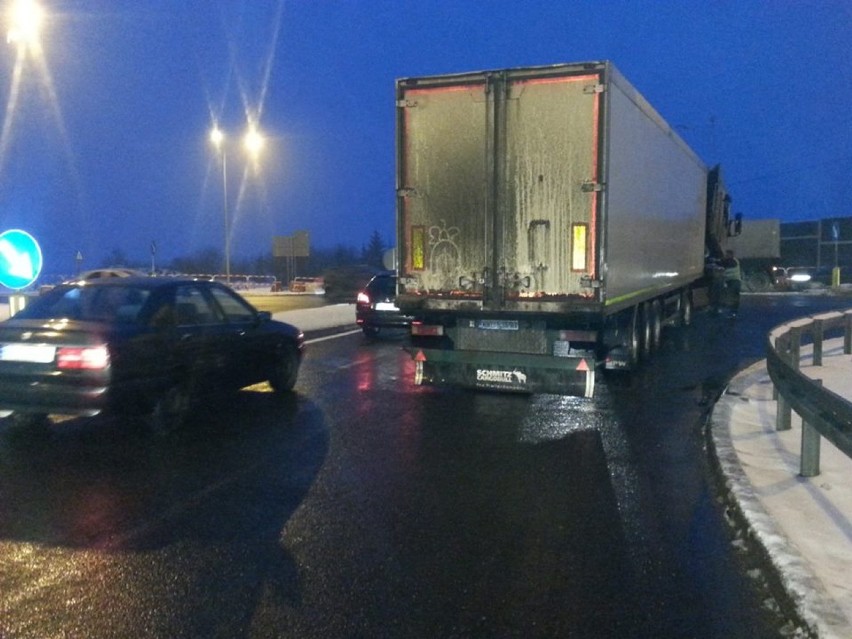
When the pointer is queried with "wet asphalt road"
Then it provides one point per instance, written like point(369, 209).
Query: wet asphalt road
point(368, 507)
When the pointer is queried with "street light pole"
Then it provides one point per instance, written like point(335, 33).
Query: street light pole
point(225, 216)
point(218, 139)
point(253, 143)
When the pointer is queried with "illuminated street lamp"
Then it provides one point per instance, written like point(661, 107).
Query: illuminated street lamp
point(25, 20)
point(253, 143)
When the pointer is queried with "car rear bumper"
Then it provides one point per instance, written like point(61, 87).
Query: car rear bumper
point(46, 396)
point(382, 319)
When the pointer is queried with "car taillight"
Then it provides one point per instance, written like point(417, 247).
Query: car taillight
point(82, 358)
point(362, 298)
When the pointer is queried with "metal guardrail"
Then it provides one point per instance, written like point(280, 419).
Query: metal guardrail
point(823, 412)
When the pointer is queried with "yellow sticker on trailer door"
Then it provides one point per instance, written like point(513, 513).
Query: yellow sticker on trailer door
point(579, 246)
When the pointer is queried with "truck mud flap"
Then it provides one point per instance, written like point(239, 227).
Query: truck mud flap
point(509, 372)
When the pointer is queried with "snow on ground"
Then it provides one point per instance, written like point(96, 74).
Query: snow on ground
point(314, 319)
point(805, 524)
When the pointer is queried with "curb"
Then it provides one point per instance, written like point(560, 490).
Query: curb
point(804, 592)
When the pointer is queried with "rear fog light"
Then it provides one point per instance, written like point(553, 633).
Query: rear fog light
point(426, 330)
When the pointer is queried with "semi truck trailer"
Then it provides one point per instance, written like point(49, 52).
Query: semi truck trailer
point(758, 249)
point(549, 224)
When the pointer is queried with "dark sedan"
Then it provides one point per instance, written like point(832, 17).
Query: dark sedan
point(139, 345)
point(375, 306)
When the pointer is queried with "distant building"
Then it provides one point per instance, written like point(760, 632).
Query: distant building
point(826, 243)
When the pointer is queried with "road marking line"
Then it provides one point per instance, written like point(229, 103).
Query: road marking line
point(335, 336)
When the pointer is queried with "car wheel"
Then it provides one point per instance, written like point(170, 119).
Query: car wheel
point(285, 371)
point(370, 331)
point(171, 410)
point(30, 423)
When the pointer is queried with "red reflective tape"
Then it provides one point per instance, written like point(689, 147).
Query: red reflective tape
point(420, 357)
point(582, 366)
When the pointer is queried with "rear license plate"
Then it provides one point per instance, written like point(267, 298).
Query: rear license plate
point(386, 306)
point(497, 325)
point(36, 353)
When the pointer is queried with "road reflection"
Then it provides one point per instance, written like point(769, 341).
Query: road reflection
point(99, 497)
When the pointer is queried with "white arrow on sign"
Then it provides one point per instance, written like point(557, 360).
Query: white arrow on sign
point(20, 263)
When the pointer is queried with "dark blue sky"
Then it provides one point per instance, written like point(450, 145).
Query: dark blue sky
point(104, 143)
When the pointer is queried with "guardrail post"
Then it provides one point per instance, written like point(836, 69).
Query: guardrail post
point(795, 346)
point(790, 348)
point(779, 346)
point(783, 414)
point(817, 332)
point(847, 334)
point(809, 464)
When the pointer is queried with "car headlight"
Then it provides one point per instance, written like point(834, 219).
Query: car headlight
point(801, 277)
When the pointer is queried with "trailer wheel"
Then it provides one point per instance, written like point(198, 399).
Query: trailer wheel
point(634, 339)
point(685, 308)
point(647, 338)
point(656, 325)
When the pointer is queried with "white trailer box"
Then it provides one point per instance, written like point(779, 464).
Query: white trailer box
point(532, 205)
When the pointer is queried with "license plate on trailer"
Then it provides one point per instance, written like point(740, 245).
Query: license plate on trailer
point(497, 325)
point(386, 306)
point(34, 353)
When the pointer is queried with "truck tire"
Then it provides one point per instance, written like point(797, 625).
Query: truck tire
point(656, 325)
point(757, 282)
point(633, 345)
point(645, 331)
point(685, 308)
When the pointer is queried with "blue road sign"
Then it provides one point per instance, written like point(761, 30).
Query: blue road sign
point(20, 259)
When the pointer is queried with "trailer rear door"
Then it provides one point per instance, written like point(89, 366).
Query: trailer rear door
point(444, 228)
point(549, 184)
point(498, 185)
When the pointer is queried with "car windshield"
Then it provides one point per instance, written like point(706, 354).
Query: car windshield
point(114, 304)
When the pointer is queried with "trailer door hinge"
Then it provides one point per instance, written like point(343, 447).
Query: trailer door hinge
point(592, 186)
point(587, 282)
point(406, 192)
point(405, 103)
point(594, 88)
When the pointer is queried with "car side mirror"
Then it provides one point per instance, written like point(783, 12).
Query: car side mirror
point(736, 226)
